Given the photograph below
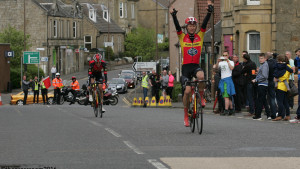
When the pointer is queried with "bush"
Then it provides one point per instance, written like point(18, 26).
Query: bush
point(176, 90)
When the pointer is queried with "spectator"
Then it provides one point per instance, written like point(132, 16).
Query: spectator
point(244, 100)
point(297, 66)
point(53, 71)
point(217, 78)
point(262, 81)
point(249, 71)
point(238, 81)
point(25, 87)
point(44, 91)
point(170, 84)
point(226, 84)
point(57, 84)
point(288, 54)
point(281, 92)
point(145, 85)
point(154, 83)
point(164, 83)
point(35, 89)
point(271, 85)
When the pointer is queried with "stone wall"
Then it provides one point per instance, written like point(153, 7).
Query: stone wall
point(287, 26)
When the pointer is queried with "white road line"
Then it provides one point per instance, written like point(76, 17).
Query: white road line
point(133, 147)
point(95, 123)
point(113, 132)
point(157, 164)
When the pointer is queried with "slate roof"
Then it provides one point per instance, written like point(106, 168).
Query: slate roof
point(62, 10)
point(218, 33)
point(100, 23)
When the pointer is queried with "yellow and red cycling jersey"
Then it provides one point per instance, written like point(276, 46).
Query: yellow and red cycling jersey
point(191, 51)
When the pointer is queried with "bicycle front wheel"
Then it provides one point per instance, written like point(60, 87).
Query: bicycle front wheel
point(192, 115)
point(95, 104)
point(199, 115)
point(99, 104)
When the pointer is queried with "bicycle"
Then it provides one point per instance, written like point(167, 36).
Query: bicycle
point(207, 92)
point(97, 100)
point(195, 110)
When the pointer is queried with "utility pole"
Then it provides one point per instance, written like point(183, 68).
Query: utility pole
point(156, 11)
point(212, 24)
point(25, 66)
point(108, 19)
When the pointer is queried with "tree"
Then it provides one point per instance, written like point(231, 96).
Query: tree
point(16, 39)
point(140, 42)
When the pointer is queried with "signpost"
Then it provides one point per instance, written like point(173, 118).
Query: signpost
point(31, 58)
point(144, 66)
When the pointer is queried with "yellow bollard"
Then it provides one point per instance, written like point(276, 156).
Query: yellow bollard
point(147, 101)
point(140, 102)
point(161, 101)
point(153, 102)
point(134, 103)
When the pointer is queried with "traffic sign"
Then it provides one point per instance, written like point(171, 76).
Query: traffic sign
point(44, 59)
point(144, 66)
point(31, 57)
point(9, 54)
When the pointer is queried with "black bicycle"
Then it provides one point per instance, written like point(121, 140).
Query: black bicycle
point(97, 100)
point(195, 109)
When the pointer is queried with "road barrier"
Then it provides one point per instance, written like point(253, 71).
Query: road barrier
point(147, 101)
point(140, 102)
point(0, 100)
point(134, 103)
point(153, 102)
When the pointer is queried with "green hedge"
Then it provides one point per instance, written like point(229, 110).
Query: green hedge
point(15, 75)
point(176, 90)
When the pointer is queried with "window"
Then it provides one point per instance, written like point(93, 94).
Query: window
point(167, 15)
point(92, 14)
point(74, 29)
point(121, 10)
point(88, 42)
point(132, 11)
point(253, 2)
point(55, 28)
point(105, 38)
point(125, 10)
point(50, 28)
point(68, 29)
point(105, 15)
point(253, 46)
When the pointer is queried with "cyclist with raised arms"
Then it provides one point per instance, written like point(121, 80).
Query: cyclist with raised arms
point(191, 46)
point(96, 65)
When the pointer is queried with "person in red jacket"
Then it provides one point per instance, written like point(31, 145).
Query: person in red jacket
point(191, 46)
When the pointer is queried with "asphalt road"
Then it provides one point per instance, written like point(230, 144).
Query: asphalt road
point(70, 137)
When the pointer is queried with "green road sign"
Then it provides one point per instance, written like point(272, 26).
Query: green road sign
point(31, 57)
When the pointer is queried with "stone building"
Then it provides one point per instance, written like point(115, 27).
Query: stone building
point(260, 26)
point(99, 29)
point(54, 27)
point(4, 67)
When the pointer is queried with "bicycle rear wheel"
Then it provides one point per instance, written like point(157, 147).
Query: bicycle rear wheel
point(99, 104)
point(199, 114)
point(192, 116)
point(95, 104)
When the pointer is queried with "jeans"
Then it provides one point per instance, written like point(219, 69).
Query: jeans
point(291, 99)
point(283, 105)
point(271, 98)
point(262, 101)
point(45, 95)
point(57, 94)
point(155, 92)
point(36, 93)
point(145, 92)
point(250, 93)
point(237, 97)
point(298, 110)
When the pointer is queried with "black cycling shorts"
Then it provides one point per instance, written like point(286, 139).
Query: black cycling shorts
point(97, 77)
point(189, 71)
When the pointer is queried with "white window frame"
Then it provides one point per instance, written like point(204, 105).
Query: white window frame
point(248, 42)
point(121, 9)
point(132, 11)
point(112, 40)
point(55, 28)
point(125, 10)
point(92, 14)
point(251, 2)
point(85, 42)
point(74, 28)
point(107, 15)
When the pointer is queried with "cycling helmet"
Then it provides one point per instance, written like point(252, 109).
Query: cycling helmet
point(57, 74)
point(191, 20)
point(97, 57)
point(73, 77)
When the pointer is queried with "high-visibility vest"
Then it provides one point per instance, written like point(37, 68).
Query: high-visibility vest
point(43, 85)
point(57, 83)
point(75, 85)
point(36, 85)
point(145, 82)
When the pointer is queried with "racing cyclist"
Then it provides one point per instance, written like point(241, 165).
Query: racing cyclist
point(191, 45)
point(95, 73)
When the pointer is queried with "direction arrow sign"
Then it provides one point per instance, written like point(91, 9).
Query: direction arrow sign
point(144, 66)
point(31, 57)
point(44, 59)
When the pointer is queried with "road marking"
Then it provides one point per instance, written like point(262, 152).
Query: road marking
point(126, 101)
point(19, 112)
point(157, 164)
point(95, 123)
point(133, 147)
point(113, 132)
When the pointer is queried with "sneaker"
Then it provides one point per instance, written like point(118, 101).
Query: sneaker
point(269, 118)
point(296, 120)
point(90, 98)
point(103, 110)
point(256, 118)
point(225, 112)
point(277, 118)
point(231, 112)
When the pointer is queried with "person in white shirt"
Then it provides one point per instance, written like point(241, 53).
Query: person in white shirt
point(53, 71)
point(288, 54)
point(226, 84)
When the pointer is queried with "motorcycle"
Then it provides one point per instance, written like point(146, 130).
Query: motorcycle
point(110, 97)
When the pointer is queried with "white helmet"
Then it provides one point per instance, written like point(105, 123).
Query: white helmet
point(57, 74)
